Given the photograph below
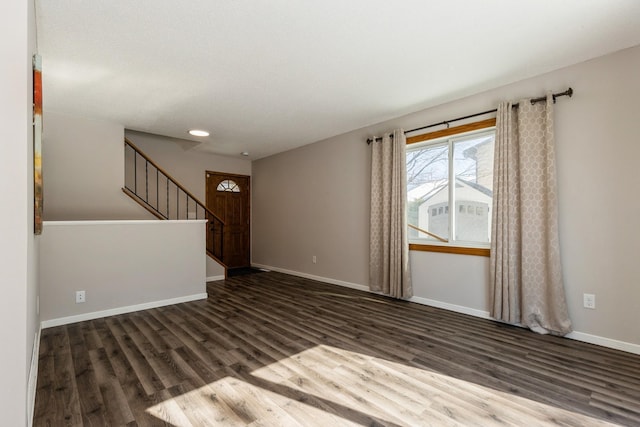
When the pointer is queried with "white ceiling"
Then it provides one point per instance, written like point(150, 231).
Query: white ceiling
point(268, 76)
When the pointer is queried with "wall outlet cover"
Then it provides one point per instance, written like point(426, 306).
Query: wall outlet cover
point(80, 297)
point(589, 301)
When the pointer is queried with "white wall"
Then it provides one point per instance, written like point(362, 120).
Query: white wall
point(188, 166)
point(314, 201)
point(83, 170)
point(119, 264)
point(18, 247)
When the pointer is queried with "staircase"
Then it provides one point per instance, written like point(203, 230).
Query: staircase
point(159, 193)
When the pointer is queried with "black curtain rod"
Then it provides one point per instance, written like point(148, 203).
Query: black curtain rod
point(568, 92)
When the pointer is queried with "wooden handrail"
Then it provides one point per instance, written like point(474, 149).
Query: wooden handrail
point(435, 236)
point(155, 165)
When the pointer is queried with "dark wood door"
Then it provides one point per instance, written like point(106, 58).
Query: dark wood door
point(228, 197)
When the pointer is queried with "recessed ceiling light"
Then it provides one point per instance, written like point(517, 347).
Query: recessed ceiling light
point(245, 153)
point(196, 132)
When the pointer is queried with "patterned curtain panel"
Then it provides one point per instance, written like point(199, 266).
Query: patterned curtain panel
point(388, 244)
point(526, 274)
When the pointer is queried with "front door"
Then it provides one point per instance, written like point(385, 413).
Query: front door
point(228, 197)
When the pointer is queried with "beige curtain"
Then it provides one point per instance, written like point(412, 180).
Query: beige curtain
point(526, 275)
point(388, 243)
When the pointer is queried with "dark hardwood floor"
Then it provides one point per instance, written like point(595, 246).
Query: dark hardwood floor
point(275, 350)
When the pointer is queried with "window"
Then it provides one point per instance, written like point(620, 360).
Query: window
point(229, 186)
point(450, 188)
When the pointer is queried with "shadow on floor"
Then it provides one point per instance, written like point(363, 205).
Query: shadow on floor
point(243, 271)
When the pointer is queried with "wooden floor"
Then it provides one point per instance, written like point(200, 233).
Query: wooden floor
point(275, 350)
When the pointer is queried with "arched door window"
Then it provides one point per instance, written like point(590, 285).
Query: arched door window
point(229, 186)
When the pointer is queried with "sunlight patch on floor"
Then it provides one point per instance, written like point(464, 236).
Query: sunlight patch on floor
point(234, 402)
point(432, 395)
point(327, 385)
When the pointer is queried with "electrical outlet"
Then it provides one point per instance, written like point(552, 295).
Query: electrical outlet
point(314, 259)
point(80, 297)
point(589, 301)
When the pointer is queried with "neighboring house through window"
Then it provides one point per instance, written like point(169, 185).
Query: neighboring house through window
point(450, 187)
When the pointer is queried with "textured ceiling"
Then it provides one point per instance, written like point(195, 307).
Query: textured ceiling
point(268, 76)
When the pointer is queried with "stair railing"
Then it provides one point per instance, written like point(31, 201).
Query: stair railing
point(159, 193)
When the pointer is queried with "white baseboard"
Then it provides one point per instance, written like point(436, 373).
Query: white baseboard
point(120, 310)
point(605, 342)
point(451, 307)
point(33, 378)
point(578, 336)
point(312, 277)
point(214, 278)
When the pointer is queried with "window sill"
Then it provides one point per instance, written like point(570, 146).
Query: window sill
point(450, 249)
